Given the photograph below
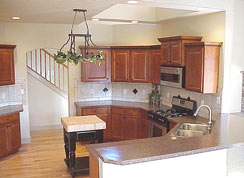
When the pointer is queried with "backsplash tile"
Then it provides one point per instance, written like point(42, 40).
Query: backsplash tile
point(209, 99)
point(11, 94)
point(92, 91)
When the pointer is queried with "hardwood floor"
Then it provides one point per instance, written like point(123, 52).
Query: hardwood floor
point(42, 158)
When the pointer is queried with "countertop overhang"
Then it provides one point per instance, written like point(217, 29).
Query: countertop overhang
point(11, 109)
point(227, 132)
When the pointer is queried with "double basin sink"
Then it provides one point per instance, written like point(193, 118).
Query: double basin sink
point(191, 130)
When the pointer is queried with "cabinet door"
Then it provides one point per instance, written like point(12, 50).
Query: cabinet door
point(120, 59)
point(175, 52)
point(93, 72)
point(131, 128)
point(13, 130)
point(165, 53)
point(107, 131)
point(3, 139)
point(144, 128)
point(7, 67)
point(155, 60)
point(139, 66)
point(118, 125)
point(194, 68)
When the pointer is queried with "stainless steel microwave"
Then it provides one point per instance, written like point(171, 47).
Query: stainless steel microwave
point(173, 76)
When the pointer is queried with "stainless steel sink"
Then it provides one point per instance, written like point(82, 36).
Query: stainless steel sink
point(191, 130)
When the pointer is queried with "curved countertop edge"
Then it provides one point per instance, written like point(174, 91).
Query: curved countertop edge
point(227, 132)
point(11, 109)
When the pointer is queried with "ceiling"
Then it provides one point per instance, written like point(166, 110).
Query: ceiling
point(108, 11)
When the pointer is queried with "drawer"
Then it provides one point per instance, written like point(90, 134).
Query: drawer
point(94, 111)
point(125, 111)
point(9, 118)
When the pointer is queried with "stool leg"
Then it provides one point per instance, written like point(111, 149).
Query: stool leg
point(66, 145)
point(100, 136)
point(72, 148)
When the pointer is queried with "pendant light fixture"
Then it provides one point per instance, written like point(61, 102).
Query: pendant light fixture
point(71, 55)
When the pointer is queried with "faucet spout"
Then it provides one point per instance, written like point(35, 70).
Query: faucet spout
point(210, 113)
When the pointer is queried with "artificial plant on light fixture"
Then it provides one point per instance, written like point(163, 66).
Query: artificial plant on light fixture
point(71, 55)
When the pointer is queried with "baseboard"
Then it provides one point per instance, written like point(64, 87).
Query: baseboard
point(25, 140)
point(46, 127)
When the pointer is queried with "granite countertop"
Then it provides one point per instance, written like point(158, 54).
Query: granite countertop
point(12, 109)
point(227, 131)
point(131, 104)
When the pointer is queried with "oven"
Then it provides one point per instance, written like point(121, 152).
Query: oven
point(158, 127)
point(173, 76)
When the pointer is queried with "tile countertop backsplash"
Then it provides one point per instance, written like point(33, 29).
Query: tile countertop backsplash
point(123, 91)
point(90, 91)
point(13, 94)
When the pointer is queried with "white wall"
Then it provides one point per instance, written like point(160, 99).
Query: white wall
point(33, 36)
point(46, 107)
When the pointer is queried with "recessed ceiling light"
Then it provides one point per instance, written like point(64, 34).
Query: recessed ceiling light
point(95, 19)
point(134, 21)
point(15, 18)
point(132, 2)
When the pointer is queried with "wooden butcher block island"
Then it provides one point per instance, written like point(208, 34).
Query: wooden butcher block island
point(81, 128)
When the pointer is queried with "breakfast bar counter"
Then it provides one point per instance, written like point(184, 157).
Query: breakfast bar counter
point(227, 132)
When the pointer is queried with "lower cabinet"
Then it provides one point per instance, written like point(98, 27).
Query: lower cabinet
point(104, 114)
point(125, 124)
point(10, 139)
point(143, 125)
point(121, 123)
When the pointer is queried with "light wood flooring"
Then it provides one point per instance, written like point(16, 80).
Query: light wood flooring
point(42, 158)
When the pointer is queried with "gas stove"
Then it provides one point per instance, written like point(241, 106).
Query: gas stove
point(180, 107)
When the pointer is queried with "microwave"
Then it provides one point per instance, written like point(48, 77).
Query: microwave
point(172, 76)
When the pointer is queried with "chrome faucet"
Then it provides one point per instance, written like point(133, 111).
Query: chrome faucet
point(210, 113)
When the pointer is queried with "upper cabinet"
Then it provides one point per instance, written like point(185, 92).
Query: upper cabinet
point(202, 66)
point(139, 65)
point(120, 65)
point(7, 76)
point(155, 62)
point(93, 72)
point(172, 49)
point(130, 64)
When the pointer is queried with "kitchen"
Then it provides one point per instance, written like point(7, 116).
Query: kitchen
point(148, 40)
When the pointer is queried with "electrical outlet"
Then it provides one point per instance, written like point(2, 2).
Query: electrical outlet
point(167, 94)
point(22, 91)
point(3, 95)
point(202, 102)
point(124, 91)
point(218, 100)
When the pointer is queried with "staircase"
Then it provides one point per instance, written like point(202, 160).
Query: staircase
point(41, 65)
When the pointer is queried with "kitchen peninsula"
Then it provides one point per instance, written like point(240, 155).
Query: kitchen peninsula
point(124, 157)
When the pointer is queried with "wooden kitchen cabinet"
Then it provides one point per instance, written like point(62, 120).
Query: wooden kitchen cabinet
point(7, 76)
point(120, 65)
point(101, 112)
point(172, 49)
point(139, 65)
point(155, 63)
point(93, 72)
point(124, 123)
point(130, 64)
point(143, 125)
point(10, 139)
point(202, 66)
